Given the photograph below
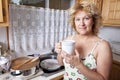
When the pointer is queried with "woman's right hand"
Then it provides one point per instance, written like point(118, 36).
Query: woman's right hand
point(58, 49)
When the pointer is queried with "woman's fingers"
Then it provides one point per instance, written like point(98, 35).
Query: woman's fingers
point(58, 47)
point(72, 59)
point(77, 54)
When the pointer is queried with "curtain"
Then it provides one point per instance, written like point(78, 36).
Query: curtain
point(36, 29)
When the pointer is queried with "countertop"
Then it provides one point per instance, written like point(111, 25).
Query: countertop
point(40, 76)
point(49, 77)
point(116, 57)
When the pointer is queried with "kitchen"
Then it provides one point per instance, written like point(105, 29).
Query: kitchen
point(109, 32)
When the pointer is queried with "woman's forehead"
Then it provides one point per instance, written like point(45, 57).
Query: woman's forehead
point(82, 13)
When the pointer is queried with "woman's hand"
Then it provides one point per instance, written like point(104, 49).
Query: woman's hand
point(73, 59)
point(58, 47)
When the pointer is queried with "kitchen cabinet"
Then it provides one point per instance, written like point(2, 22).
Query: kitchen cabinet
point(111, 12)
point(115, 73)
point(4, 13)
point(1, 12)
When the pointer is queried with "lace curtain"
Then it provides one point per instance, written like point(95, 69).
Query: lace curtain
point(35, 29)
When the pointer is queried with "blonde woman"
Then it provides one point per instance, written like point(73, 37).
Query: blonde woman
point(92, 56)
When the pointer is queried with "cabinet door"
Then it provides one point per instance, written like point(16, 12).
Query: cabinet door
point(1, 12)
point(111, 12)
point(4, 13)
point(115, 73)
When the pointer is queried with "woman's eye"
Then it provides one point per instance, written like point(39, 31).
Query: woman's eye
point(77, 19)
point(87, 18)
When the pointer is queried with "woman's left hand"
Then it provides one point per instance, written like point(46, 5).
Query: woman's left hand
point(73, 59)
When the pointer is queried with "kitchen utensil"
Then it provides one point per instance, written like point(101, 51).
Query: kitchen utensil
point(19, 65)
point(49, 63)
point(24, 63)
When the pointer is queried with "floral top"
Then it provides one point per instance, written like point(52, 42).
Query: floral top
point(72, 73)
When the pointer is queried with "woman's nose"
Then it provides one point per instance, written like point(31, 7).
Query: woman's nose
point(81, 22)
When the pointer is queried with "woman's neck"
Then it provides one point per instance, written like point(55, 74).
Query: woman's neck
point(85, 37)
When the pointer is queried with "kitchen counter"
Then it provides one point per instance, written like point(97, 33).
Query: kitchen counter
point(40, 76)
point(44, 76)
point(48, 76)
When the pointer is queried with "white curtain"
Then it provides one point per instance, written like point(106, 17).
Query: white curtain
point(35, 29)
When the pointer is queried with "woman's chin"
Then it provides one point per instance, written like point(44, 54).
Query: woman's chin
point(83, 33)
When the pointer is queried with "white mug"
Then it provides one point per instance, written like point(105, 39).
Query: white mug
point(68, 46)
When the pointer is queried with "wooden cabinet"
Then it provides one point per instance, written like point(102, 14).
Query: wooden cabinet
point(4, 13)
point(115, 73)
point(1, 12)
point(111, 12)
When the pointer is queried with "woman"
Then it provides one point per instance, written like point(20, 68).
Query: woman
point(92, 57)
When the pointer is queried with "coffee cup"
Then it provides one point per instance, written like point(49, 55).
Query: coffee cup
point(68, 46)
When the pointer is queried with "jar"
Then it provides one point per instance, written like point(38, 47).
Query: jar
point(5, 61)
point(4, 64)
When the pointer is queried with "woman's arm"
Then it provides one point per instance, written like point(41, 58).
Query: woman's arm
point(104, 60)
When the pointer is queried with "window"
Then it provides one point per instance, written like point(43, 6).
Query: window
point(53, 4)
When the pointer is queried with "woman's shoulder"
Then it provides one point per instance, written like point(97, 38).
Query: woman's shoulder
point(104, 42)
point(104, 46)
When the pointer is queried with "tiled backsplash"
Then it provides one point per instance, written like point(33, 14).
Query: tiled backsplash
point(111, 34)
point(115, 46)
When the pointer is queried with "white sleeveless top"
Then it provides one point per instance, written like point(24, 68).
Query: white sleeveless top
point(72, 73)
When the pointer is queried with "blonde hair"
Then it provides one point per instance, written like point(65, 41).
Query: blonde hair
point(92, 11)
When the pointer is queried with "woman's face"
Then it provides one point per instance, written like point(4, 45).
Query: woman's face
point(83, 23)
